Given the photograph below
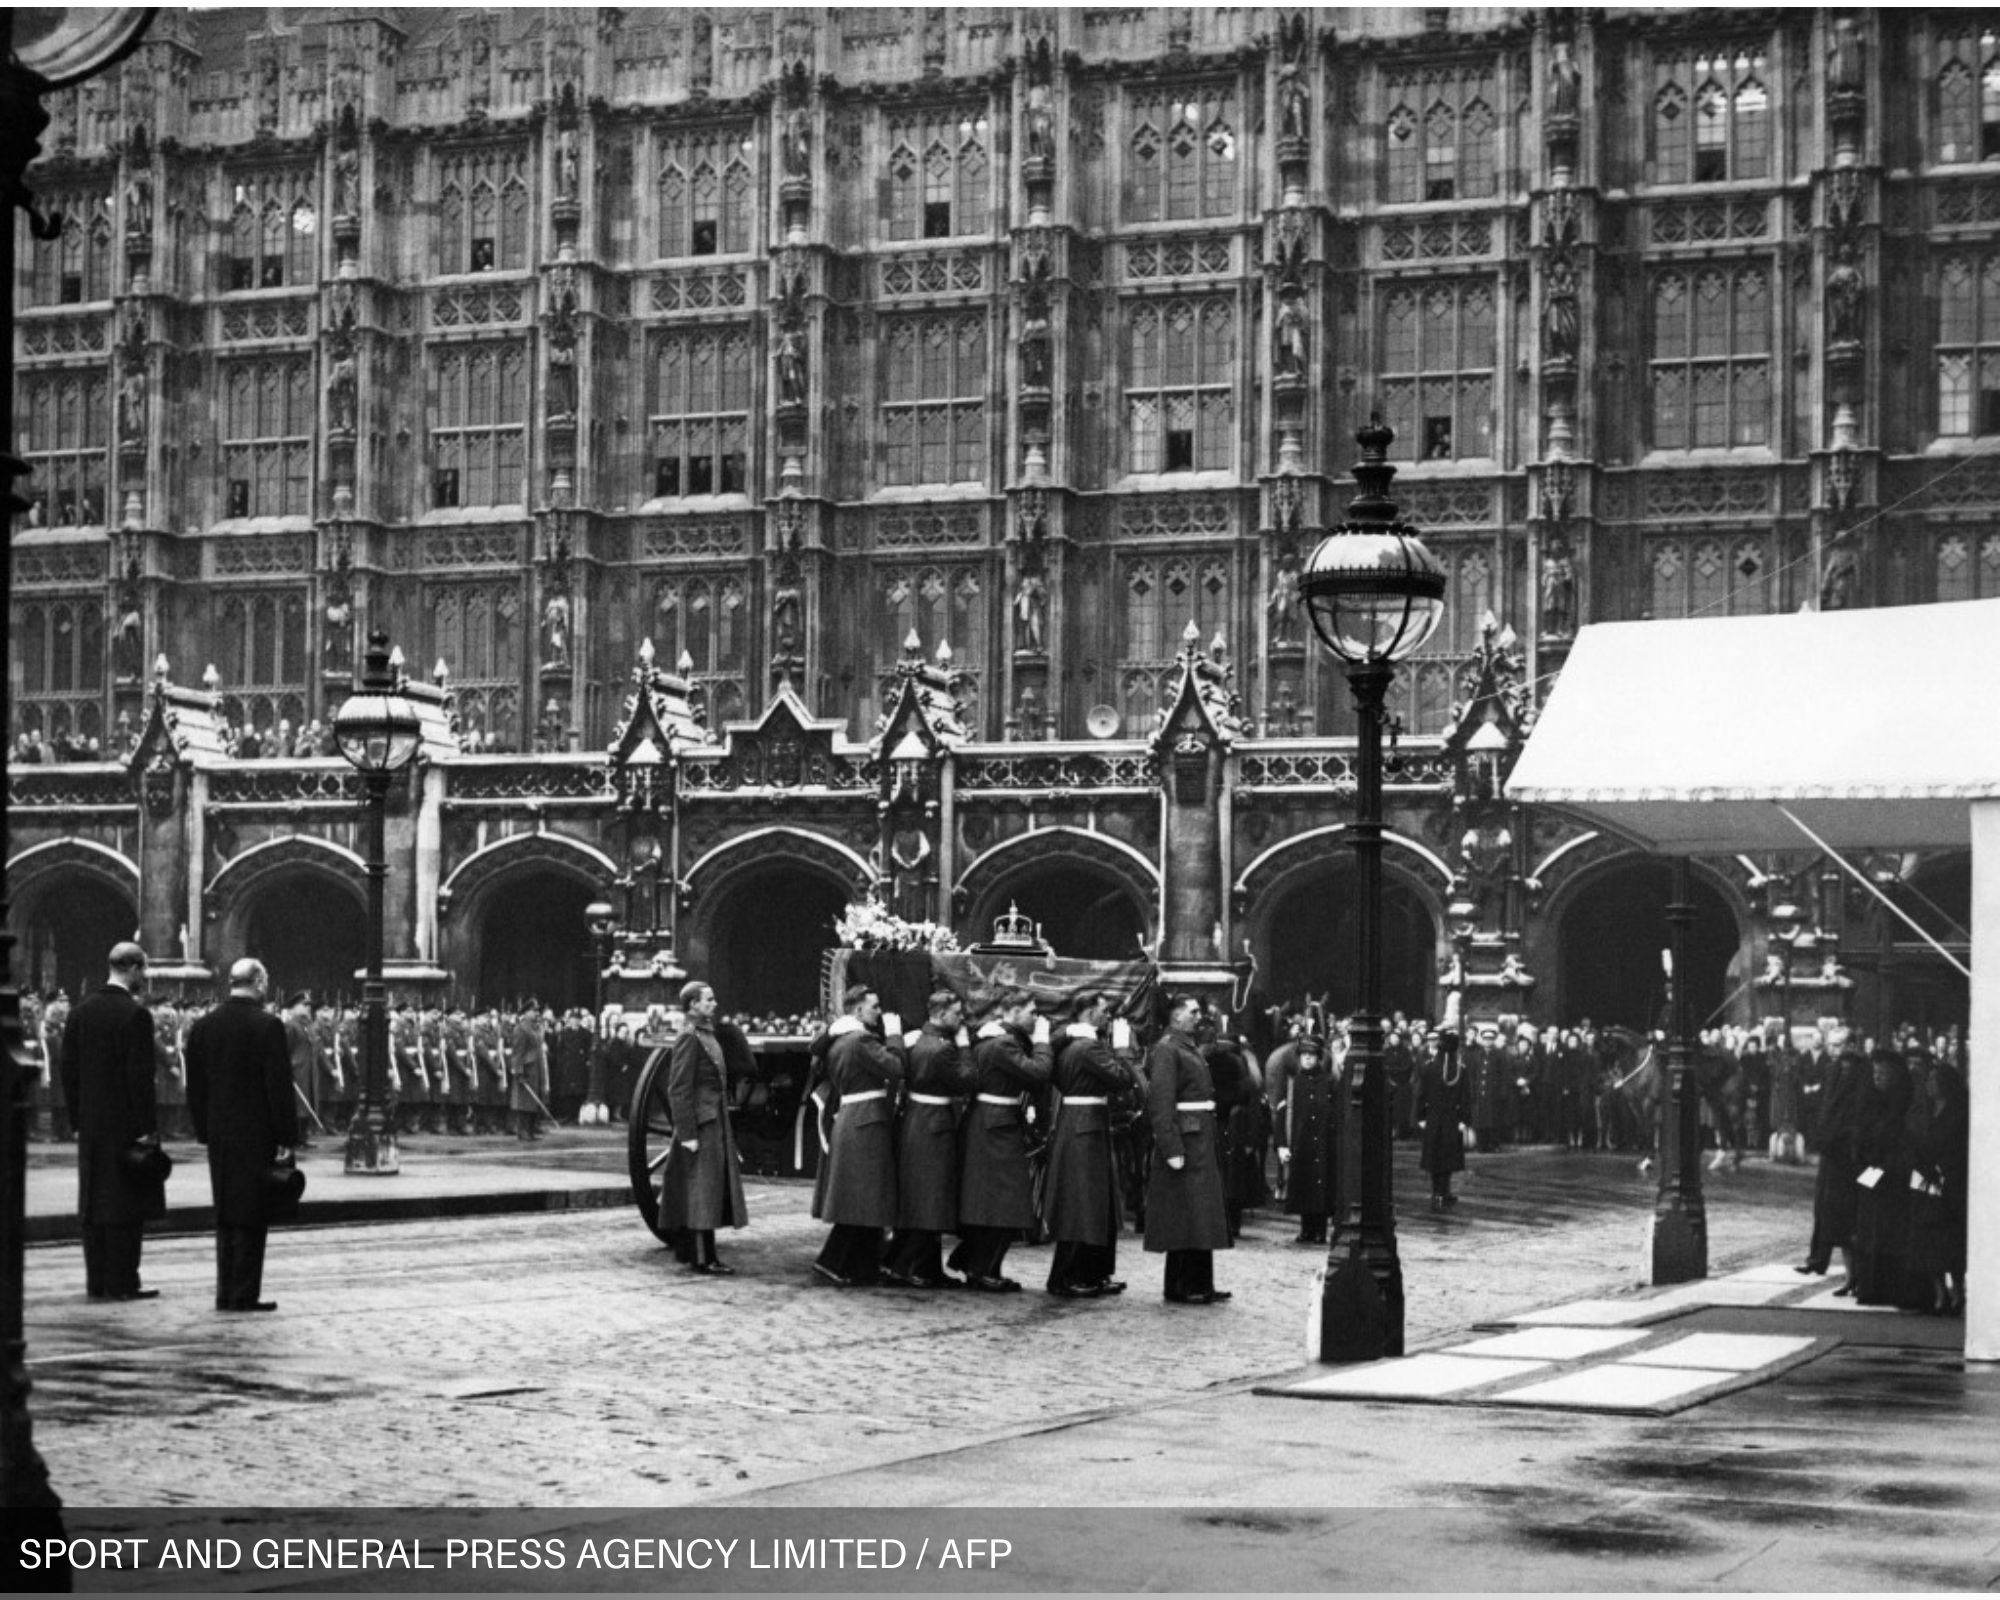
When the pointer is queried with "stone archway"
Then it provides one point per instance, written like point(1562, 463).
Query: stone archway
point(513, 925)
point(72, 900)
point(1305, 932)
point(1096, 898)
point(1610, 928)
point(298, 904)
point(761, 916)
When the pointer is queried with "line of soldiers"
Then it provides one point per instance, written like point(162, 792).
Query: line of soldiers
point(1017, 1132)
point(451, 1072)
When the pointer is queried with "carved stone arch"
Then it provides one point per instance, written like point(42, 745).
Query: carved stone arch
point(763, 847)
point(481, 938)
point(72, 899)
point(43, 868)
point(239, 879)
point(461, 892)
point(1581, 869)
point(230, 896)
point(760, 915)
point(981, 887)
point(1274, 870)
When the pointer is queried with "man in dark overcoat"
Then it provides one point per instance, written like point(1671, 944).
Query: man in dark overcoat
point(528, 1055)
point(1441, 1108)
point(702, 1189)
point(107, 1080)
point(1309, 1131)
point(1184, 1210)
point(241, 1096)
point(304, 1058)
point(1081, 1210)
point(996, 1190)
point(860, 1195)
point(934, 1098)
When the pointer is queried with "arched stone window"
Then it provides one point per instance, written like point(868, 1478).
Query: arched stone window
point(478, 433)
point(708, 192)
point(1711, 119)
point(1180, 385)
point(1181, 155)
point(701, 412)
point(1711, 369)
point(934, 399)
point(482, 212)
point(940, 169)
point(1437, 362)
point(1440, 135)
point(267, 430)
point(68, 434)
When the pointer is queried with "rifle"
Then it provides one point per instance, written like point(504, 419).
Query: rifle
point(309, 1108)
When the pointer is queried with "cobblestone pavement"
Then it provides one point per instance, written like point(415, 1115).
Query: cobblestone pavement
point(564, 1359)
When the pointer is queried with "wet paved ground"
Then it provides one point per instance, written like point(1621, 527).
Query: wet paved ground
point(563, 1360)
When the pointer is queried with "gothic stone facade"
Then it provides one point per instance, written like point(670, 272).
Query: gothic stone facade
point(777, 338)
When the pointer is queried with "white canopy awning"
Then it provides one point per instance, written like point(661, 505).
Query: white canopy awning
point(1875, 728)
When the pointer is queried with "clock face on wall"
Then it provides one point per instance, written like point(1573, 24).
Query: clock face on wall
point(66, 44)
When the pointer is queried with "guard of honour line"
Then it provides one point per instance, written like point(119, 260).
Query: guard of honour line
point(1023, 1129)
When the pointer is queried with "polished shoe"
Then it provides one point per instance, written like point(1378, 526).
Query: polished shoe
point(899, 1280)
point(1108, 1286)
point(832, 1277)
point(1810, 1271)
point(991, 1285)
point(251, 1305)
point(1187, 1299)
point(1217, 1296)
point(136, 1294)
point(1844, 1292)
point(1075, 1291)
point(716, 1269)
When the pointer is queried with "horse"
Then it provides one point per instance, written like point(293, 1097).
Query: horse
point(1634, 1079)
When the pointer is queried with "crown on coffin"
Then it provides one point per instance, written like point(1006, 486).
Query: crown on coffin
point(1014, 931)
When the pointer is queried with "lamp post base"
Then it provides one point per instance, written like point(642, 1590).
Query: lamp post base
point(372, 1151)
point(1680, 1243)
point(1360, 1298)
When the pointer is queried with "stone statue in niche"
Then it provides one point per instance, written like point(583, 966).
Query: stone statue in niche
point(1041, 123)
point(337, 642)
point(1294, 103)
point(798, 142)
point(347, 178)
point(139, 209)
point(555, 629)
point(1844, 290)
point(787, 613)
point(569, 162)
point(342, 391)
point(128, 644)
point(1288, 336)
point(1558, 589)
point(132, 406)
point(1282, 604)
point(1843, 576)
point(1031, 610)
point(792, 385)
point(1565, 79)
point(1843, 59)
point(1561, 320)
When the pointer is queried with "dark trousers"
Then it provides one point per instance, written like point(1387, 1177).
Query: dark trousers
point(981, 1251)
point(1190, 1272)
point(1312, 1227)
point(239, 1266)
point(111, 1258)
point(1079, 1266)
point(853, 1252)
point(703, 1246)
point(917, 1253)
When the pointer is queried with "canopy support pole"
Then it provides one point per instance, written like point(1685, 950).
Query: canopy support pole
point(1861, 878)
point(1680, 1213)
point(1982, 1253)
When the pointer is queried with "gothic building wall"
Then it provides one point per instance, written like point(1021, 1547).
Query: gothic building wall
point(778, 336)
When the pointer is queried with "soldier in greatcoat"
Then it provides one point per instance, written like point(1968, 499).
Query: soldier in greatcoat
point(860, 1195)
point(338, 1107)
point(528, 1066)
point(702, 1188)
point(1082, 1206)
point(242, 1097)
point(460, 1072)
point(1441, 1108)
point(304, 1057)
point(996, 1196)
point(1184, 1212)
point(107, 1066)
point(934, 1095)
point(1309, 1130)
point(407, 1068)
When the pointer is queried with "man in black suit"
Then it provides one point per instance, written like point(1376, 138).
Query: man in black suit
point(239, 1087)
point(107, 1079)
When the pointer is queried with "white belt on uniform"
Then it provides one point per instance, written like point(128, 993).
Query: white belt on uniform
point(928, 1099)
point(865, 1094)
point(1085, 1100)
point(1194, 1105)
point(999, 1099)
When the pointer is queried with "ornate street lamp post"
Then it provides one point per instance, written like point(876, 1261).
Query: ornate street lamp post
point(1375, 594)
point(378, 730)
point(603, 924)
